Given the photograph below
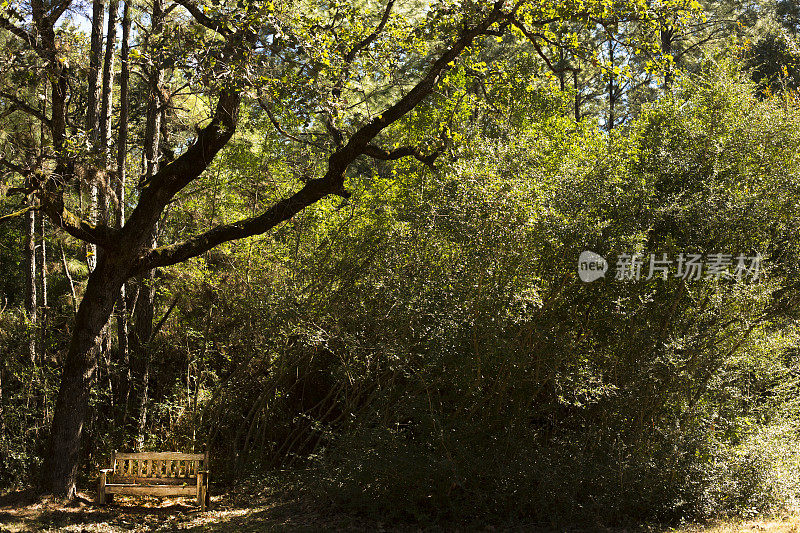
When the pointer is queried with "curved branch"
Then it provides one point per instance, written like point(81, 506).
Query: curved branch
point(366, 41)
point(17, 104)
point(10, 216)
point(333, 180)
point(377, 152)
point(313, 191)
point(204, 19)
point(265, 106)
point(23, 34)
point(53, 206)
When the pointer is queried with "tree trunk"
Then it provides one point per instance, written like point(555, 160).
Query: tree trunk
point(139, 342)
point(72, 403)
point(104, 124)
point(30, 278)
point(122, 148)
point(93, 95)
point(92, 123)
point(666, 35)
point(612, 100)
point(43, 279)
point(108, 80)
point(143, 318)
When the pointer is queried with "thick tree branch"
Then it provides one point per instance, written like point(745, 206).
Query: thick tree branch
point(53, 206)
point(17, 104)
point(333, 180)
point(25, 35)
point(313, 191)
point(11, 216)
point(170, 179)
point(377, 152)
point(58, 10)
point(204, 19)
point(340, 159)
point(19, 170)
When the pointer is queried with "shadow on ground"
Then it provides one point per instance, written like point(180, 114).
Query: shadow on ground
point(23, 511)
point(249, 511)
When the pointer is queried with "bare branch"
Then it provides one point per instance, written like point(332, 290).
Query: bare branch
point(277, 125)
point(351, 55)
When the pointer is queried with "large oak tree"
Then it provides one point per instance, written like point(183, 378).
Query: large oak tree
point(345, 71)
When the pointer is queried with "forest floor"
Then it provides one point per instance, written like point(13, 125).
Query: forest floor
point(20, 512)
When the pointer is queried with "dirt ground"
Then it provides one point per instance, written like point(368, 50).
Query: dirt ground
point(20, 512)
point(231, 513)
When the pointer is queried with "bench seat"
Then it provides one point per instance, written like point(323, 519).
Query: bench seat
point(156, 474)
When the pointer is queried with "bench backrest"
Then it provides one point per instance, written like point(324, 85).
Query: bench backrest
point(161, 467)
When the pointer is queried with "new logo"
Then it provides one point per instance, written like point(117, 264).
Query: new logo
point(591, 266)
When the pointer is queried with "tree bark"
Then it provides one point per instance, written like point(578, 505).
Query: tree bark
point(80, 366)
point(612, 97)
point(92, 115)
point(122, 148)
point(43, 279)
point(108, 81)
point(30, 279)
point(93, 95)
point(143, 317)
point(666, 35)
point(127, 250)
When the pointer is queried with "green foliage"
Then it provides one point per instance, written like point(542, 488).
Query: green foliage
point(425, 350)
point(428, 342)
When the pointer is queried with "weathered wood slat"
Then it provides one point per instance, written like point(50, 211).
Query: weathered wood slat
point(151, 490)
point(156, 474)
point(174, 456)
point(155, 480)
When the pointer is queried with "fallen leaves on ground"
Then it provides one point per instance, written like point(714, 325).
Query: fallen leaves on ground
point(250, 512)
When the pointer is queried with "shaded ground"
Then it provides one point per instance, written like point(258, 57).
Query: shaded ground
point(260, 512)
point(230, 513)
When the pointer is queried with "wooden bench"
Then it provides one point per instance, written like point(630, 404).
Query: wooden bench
point(156, 474)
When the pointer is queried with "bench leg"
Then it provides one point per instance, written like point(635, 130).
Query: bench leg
point(201, 490)
point(101, 489)
point(207, 490)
